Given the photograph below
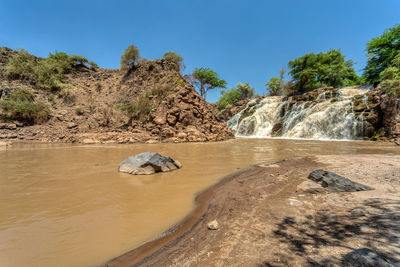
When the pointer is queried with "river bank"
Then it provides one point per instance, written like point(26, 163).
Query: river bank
point(266, 217)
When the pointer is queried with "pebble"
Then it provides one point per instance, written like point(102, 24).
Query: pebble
point(213, 225)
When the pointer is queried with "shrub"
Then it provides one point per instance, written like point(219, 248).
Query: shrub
point(67, 96)
point(274, 86)
point(130, 57)
point(21, 106)
point(21, 65)
point(79, 111)
point(175, 58)
point(230, 97)
point(390, 81)
point(47, 73)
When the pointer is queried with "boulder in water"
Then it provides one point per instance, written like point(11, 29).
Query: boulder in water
point(148, 163)
point(365, 257)
point(336, 183)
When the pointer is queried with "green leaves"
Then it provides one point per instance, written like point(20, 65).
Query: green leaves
point(274, 85)
point(130, 57)
point(382, 52)
point(175, 58)
point(21, 105)
point(324, 69)
point(207, 79)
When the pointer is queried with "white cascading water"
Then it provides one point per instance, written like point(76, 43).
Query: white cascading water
point(321, 119)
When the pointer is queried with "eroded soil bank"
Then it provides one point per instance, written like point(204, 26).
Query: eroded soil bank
point(267, 219)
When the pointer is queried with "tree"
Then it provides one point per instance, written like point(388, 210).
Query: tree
point(232, 96)
point(206, 79)
point(274, 85)
point(175, 58)
point(245, 90)
point(130, 57)
point(324, 69)
point(381, 52)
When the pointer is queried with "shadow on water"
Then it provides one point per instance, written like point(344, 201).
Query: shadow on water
point(375, 225)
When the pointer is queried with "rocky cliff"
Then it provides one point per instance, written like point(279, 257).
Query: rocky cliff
point(151, 102)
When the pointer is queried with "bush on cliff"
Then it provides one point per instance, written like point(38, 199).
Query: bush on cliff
point(47, 73)
point(232, 96)
point(21, 105)
point(130, 57)
point(242, 91)
point(21, 66)
point(312, 71)
point(175, 58)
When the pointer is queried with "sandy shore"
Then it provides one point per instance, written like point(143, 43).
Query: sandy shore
point(267, 217)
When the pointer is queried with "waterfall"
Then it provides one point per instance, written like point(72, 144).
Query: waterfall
point(328, 115)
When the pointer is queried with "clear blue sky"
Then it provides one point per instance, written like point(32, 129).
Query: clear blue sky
point(244, 41)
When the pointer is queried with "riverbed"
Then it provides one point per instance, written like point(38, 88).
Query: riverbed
point(66, 205)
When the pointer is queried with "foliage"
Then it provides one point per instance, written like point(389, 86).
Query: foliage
point(242, 91)
point(324, 69)
point(21, 105)
point(139, 110)
point(130, 57)
point(382, 52)
point(232, 96)
point(274, 86)
point(175, 58)
point(47, 73)
point(21, 66)
point(206, 79)
point(245, 90)
point(391, 81)
point(79, 111)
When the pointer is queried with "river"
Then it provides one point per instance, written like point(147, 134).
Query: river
point(67, 205)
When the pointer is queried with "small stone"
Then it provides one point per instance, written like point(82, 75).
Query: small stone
point(71, 125)
point(213, 225)
point(295, 202)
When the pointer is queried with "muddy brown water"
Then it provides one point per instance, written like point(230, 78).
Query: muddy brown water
point(66, 205)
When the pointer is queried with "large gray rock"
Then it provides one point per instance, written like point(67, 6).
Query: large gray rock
point(365, 257)
point(336, 183)
point(148, 163)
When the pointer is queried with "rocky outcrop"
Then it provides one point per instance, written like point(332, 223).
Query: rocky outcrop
point(165, 107)
point(390, 107)
point(148, 163)
point(336, 183)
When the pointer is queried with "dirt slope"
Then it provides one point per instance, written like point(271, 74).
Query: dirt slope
point(86, 110)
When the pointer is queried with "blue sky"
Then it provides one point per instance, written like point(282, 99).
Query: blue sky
point(243, 41)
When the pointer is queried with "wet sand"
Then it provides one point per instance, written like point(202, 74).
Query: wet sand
point(266, 218)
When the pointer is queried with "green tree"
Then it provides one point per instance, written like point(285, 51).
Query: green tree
point(130, 57)
point(232, 96)
point(274, 85)
point(245, 89)
point(382, 51)
point(324, 69)
point(390, 81)
point(175, 58)
point(206, 79)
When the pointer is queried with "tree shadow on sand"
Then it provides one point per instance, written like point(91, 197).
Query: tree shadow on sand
point(375, 225)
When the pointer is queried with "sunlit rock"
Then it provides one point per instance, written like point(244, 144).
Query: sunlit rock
point(148, 163)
